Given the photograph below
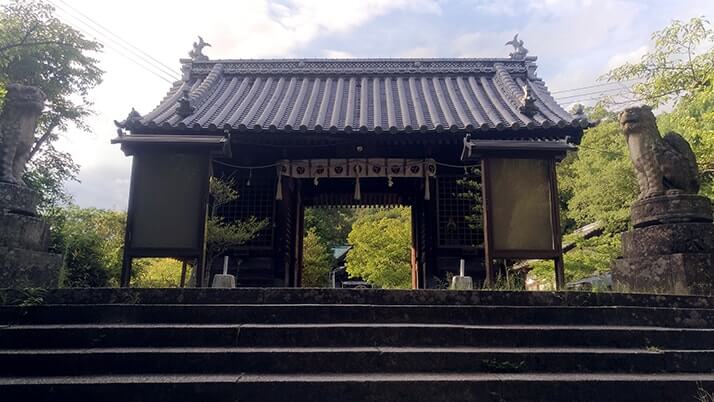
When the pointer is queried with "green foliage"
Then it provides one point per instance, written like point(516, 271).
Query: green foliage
point(316, 260)
point(693, 117)
point(92, 241)
point(157, 273)
point(38, 49)
point(47, 173)
point(332, 225)
point(590, 257)
point(83, 266)
point(380, 251)
point(222, 236)
point(600, 180)
point(470, 186)
point(674, 67)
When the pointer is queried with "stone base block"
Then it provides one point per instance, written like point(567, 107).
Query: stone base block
point(223, 281)
point(672, 238)
point(18, 198)
point(21, 268)
point(691, 273)
point(462, 283)
point(671, 209)
point(23, 231)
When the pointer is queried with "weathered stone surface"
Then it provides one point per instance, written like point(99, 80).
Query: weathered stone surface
point(669, 238)
point(671, 209)
point(681, 273)
point(21, 268)
point(22, 231)
point(18, 198)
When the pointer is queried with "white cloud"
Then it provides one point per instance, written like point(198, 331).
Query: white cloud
point(336, 54)
point(418, 52)
point(632, 56)
point(237, 29)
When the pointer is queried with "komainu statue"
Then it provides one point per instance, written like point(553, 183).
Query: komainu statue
point(663, 165)
point(18, 121)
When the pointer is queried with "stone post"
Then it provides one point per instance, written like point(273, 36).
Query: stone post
point(24, 260)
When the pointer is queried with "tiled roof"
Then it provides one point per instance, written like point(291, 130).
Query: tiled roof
point(369, 95)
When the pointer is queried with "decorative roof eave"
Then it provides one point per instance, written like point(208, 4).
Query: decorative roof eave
point(359, 66)
point(573, 131)
point(215, 144)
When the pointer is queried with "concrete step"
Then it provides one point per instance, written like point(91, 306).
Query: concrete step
point(350, 335)
point(77, 362)
point(347, 313)
point(373, 387)
point(346, 296)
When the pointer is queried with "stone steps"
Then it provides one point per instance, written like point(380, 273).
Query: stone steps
point(350, 335)
point(165, 360)
point(375, 387)
point(371, 345)
point(358, 313)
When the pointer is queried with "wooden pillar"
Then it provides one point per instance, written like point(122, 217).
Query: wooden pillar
point(557, 236)
point(487, 229)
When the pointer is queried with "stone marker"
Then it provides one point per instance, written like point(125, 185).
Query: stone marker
point(224, 280)
point(24, 260)
point(671, 246)
point(462, 282)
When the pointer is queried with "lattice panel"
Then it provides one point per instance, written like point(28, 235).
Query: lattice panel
point(256, 197)
point(459, 211)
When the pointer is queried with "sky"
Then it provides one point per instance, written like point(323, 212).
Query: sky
point(576, 41)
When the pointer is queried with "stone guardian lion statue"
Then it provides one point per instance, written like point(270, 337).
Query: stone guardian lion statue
point(18, 121)
point(663, 165)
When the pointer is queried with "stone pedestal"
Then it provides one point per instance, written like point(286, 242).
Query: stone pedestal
point(24, 260)
point(671, 247)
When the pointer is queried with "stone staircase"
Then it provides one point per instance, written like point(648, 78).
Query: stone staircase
point(353, 345)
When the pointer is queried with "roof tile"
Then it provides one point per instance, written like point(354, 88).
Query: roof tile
point(370, 95)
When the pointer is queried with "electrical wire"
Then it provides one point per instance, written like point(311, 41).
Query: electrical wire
point(89, 31)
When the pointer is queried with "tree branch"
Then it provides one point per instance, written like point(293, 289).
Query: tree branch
point(45, 136)
point(39, 43)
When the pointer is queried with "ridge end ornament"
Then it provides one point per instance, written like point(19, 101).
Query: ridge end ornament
point(196, 54)
point(519, 51)
point(528, 106)
point(184, 108)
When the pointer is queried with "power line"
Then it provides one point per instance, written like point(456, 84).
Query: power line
point(603, 92)
point(593, 86)
point(88, 30)
point(166, 68)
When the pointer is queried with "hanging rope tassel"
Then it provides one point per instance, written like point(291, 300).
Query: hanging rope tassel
point(279, 190)
point(427, 191)
point(358, 192)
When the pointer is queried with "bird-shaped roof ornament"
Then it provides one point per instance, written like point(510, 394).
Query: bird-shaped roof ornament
point(196, 54)
point(519, 52)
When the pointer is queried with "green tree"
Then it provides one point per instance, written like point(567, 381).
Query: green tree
point(597, 184)
point(680, 69)
point(222, 236)
point(676, 66)
point(600, 180)
point(332, 225)
point(157, 273)
point(38, 49)
point(92, 241)
point(380, 251)
point(693, 117)
point(316, 260)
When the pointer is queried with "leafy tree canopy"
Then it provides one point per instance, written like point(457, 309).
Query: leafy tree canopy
point(316, 260)
point(380, 251)
point(680, 63)
point(38, 49)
